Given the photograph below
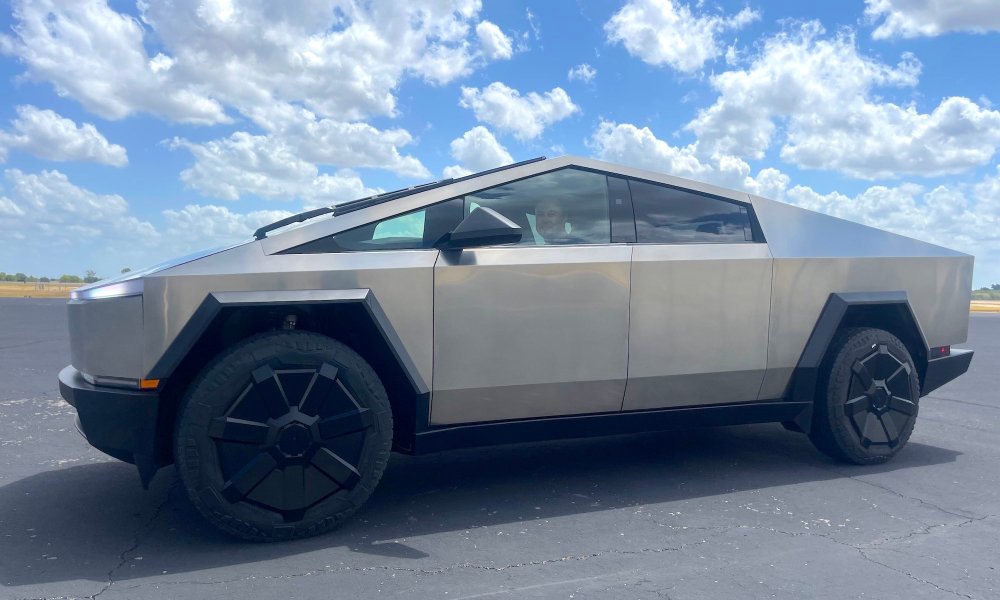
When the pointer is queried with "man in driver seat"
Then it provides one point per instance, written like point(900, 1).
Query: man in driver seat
point(552, 225)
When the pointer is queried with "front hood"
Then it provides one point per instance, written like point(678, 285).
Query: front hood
point(122, 281)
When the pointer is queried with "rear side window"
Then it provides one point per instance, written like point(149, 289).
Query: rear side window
point(666, 215)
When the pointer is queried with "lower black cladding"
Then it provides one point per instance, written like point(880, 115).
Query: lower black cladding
point(577, 426)
point(942, 370)
point(123, 423)
point(119, 422)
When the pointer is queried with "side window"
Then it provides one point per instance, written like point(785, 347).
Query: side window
point(568, 206)
point(666, 215)
point(411, 231)
point(408, 227)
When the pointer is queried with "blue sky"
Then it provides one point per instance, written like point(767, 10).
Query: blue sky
point(133, 132)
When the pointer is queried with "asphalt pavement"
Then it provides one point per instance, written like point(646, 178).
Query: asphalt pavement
point(735, 512)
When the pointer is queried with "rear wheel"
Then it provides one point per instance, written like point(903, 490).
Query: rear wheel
point(867, 399)
point(284, 435)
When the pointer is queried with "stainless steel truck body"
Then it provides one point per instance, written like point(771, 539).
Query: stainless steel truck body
point(552, 298)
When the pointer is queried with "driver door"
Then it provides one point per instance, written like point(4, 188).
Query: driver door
point(538, 328)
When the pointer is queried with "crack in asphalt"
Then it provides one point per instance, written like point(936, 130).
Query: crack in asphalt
point(438, 571)
point(32, 343)
point(954, 424)
point(861, 549)
point(140, 532)
point(913, 498)
point(913, 577)
point(967, 402)
point(925, 531)
point(54, 598)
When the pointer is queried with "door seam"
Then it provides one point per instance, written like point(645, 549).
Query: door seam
point(628, 327)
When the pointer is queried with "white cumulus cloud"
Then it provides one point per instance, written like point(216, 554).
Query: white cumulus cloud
point(582, 72)
point(338, 143)
point(666, 32)
point(958, 215)
point(954, 215)
point(929, 18)
point(267, 167)
point(476, 150)
point(526, 117)
point(627, 144)
point(94, 54)
point(341, 59)
point(49, 222)
point(822, 90)
point(47, 135)
point(196, 225)
point(494, 42)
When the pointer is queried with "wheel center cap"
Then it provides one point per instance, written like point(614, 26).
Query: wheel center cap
point(294, 439)
point(880, 399)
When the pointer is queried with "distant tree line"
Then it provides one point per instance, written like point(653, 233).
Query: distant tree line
point(987, 293)
point(89, 276)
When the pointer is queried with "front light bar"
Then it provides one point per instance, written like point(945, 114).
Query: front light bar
point(129, 287)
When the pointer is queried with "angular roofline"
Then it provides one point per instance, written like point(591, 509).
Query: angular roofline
point(353, 205)
point(653, 176)
point(422, 195)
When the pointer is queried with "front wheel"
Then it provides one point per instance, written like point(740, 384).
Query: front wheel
point(867, 399)
point(284, 435)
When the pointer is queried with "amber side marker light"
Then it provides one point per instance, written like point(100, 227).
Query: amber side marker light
point(149, 384)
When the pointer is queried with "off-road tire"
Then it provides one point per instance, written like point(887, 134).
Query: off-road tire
point(233, 426)
point(867, 397)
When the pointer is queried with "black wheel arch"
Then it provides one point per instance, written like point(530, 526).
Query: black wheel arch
point(888, 310)
point(352, 317)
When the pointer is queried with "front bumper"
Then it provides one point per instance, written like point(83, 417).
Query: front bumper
point(119, 422)
point(942, 370)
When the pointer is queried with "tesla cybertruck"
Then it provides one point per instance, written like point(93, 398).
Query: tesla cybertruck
point(548, 299)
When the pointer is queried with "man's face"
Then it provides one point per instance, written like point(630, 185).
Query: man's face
point(549, 219)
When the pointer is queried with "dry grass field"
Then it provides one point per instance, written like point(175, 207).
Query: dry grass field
point(986, 306)
point(10, 289)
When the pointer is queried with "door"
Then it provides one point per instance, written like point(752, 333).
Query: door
point(539, 328)
point(701, 291)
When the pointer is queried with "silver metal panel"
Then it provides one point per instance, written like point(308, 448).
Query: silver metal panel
point(698, 330)
point(290, 297)
point(401, 281)
point(794, 232)
point(693, 389)
point(938, 290)
point(529, 331)
point(323, 226)
point(816, 255)
point(508, 402)
point(106, 336)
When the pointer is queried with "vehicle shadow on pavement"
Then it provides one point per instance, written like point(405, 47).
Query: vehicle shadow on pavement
point(95, 523)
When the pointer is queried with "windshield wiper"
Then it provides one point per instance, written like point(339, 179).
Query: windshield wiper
point(302, 216)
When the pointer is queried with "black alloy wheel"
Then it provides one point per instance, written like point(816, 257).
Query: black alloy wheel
point(881, 405)
point(284, 435)
point(868, 399)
